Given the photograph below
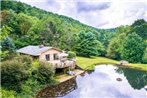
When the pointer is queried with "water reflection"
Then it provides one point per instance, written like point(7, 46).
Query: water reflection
point(100, 83)
point(103, 83)
point(137, 79)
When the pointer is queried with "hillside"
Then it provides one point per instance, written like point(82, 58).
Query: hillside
point(19, 7)
point(24, 25)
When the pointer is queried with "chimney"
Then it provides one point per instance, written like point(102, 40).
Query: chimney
point(41, 46)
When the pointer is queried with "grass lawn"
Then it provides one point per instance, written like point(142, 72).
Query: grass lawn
point(88, 63)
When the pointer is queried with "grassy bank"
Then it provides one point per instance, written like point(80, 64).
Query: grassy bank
point(88, 63)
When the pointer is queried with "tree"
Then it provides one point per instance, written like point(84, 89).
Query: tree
point(86, 44)
point(8, 18)
point(13, 74)
point(8, 45)
point(44, 73)
point(25, 22)
point(115, 45)
point(140, 27)
point(45, 32)
point(133, 48)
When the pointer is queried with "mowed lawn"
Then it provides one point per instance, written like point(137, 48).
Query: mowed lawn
point(88, 63)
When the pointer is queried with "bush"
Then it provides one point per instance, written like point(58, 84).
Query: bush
point(71, 55)
point(7, 93)
point(4, 55)
point(25, 59)
point(29, 88)
point(13, 74)
point(44, 73)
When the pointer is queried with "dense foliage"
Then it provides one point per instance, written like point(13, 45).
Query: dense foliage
point(87, 45)
point(14, 72)
point(44, 73)
point(22, 78)
point(129, 44)
point(132, 48)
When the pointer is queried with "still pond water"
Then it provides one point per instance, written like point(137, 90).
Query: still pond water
point(103, 83)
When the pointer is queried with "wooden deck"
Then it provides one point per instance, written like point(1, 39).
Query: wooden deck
point(65, 77)
point(66, 63)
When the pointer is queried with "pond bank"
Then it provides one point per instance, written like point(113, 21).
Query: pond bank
point(67, 83)
point(89, 63)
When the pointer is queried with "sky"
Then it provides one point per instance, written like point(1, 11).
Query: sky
point(96, 13)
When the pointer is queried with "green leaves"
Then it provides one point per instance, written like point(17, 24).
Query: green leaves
point(4, 31)
point(86, 44)
point(140, 27)
point(129, 43)
point(44, 73)
point(133, 48)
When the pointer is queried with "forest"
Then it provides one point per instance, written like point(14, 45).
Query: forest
point(23, 25)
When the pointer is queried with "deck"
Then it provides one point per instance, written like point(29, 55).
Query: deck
point(65, 77)
point(59, 64)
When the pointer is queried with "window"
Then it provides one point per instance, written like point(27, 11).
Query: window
point(56, 56)
point(47, 57)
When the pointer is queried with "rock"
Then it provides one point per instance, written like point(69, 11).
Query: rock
point(71, 72)
point(123, 62)
point(145, 88)
point(118, 79)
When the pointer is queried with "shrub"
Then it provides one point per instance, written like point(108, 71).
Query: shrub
point(71, 55)
point(29, 88)
point(7, 93)
point(4, 55)
point(13, 74)
point(44, 73)
point(25, 59)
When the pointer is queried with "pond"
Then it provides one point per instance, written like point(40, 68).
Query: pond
point(104, 81)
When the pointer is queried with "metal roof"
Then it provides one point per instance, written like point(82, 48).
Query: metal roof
point(33, 50)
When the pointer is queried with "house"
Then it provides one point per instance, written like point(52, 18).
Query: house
point(56, 57)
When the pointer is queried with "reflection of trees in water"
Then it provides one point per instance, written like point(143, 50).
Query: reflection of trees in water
point(90, 71)
point(137, 79)
point(58, 90)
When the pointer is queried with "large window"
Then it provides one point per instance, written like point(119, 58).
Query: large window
point(47, 57)
point(56, 56)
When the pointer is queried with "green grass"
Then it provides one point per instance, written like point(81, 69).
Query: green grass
point(88, 63)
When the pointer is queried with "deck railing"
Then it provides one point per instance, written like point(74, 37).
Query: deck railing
point(64, 64)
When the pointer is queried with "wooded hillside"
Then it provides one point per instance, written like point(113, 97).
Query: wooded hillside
point(23, 25)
